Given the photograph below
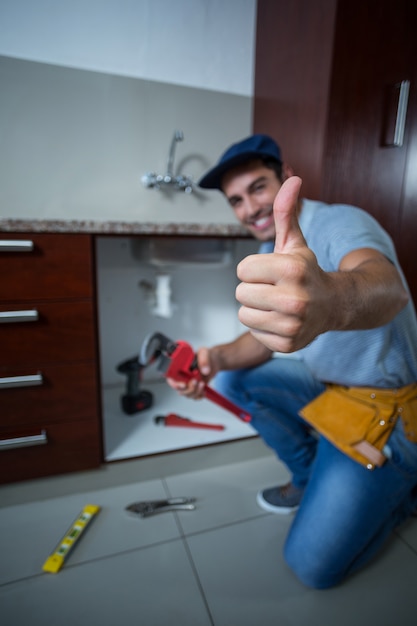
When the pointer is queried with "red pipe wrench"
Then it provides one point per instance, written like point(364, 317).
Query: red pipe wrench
point(172, 419)
point(178, 361)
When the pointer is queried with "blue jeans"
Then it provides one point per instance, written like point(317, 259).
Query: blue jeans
point(347, 511)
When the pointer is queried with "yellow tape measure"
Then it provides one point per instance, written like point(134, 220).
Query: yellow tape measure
point(56, 560)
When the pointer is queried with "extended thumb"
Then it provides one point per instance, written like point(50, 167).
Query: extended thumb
point(288, 234)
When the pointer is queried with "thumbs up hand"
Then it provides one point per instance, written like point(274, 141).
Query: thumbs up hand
point(286, 297)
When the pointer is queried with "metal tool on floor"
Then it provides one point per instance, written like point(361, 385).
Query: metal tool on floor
point(134, 399)
point(58, 557)
point(178, 361)
point(172, 419)
point(147, 508)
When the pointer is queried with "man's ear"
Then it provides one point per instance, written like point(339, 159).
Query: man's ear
point(287, 171)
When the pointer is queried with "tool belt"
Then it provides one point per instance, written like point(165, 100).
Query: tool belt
point(359, 420)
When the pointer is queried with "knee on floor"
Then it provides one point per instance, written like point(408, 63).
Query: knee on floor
point(310, 569)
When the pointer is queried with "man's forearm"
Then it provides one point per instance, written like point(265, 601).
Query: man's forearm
point(245, 351)
point(369, 295)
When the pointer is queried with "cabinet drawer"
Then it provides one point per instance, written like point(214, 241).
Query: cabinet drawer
point(65, 393)
point(60, 448)
point(63, 331)
point(56, 266)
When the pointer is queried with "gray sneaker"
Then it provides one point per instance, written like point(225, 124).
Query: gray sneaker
point(282, 500)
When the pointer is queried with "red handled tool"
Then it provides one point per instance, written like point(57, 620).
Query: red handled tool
point(184, 422)
point(178, 361)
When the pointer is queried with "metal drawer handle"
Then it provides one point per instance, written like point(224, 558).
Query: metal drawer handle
point(15, 245)
point(32, 380)
point(23, 442)
point(19, 316)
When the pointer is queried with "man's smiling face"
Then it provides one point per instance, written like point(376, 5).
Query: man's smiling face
point(250, 190)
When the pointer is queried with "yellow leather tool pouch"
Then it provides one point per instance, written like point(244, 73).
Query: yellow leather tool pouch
point(408, 413)
point(359, 420)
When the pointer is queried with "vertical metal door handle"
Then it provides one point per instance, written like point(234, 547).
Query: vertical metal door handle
point(401, 113)
point(14, 245)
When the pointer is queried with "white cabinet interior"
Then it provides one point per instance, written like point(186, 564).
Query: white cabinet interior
point(183, 287)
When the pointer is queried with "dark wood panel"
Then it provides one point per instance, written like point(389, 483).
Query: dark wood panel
point(70, 447)
point(331, 110)
point(60, 266)
point(372, 53)
point(294, 47)
point(360, 167)
point(56, 279)
point(64, 332)
point(68, 392)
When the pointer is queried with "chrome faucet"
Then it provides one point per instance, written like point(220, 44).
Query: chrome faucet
point(169, 180)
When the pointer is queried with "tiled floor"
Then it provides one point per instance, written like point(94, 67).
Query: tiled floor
point(220, 564)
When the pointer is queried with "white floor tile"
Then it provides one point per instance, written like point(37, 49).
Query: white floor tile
point(152, 586)
point(226, 494)
point(408, 532)
point(383, 593)
point(243, 573)
point(124, 472)
point(219, 565)
point(246, 582)
point(30, 532)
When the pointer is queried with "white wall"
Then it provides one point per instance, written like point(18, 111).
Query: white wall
point(75, 144)
point(92, 91)
point(206, 44)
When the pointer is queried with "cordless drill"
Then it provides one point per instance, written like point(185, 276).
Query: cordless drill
point(135, 399)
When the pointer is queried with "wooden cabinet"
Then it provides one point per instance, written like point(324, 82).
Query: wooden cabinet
point(330, 79)
point(49, 398)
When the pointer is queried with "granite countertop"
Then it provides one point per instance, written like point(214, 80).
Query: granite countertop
point(121, 228)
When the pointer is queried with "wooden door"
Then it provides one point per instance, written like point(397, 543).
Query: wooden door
point(294, 48)
point(327, 87)
point(374, 63)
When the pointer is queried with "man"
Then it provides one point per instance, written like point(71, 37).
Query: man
point(342, 414)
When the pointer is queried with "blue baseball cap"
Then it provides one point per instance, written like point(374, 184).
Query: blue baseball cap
point(253, 147)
